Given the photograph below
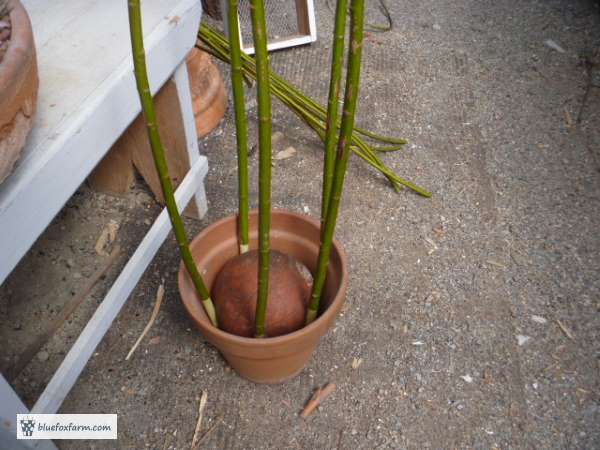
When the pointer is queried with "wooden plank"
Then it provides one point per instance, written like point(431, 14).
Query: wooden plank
point(40, 186)
point(175, 114)
point(114, 174)
point(77, 357)
point(184, 95)
point(312, 20)
point(72, 69)
point(174, 140)
point(281, 43)
point(10, 406)
point(302, 17)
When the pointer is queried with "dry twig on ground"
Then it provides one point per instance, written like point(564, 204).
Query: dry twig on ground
point(317, 398)
point(159, 297)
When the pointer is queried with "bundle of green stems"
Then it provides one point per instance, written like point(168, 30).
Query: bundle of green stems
point(311, 112)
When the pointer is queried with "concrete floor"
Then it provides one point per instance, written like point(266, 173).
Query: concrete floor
point(442, 291)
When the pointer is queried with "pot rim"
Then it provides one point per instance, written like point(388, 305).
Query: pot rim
point(328, 314)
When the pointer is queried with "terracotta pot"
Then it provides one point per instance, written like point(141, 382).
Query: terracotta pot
point(18, 89)
point(270, 360)
point(209, 98)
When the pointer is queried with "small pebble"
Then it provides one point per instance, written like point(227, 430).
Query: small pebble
point(43, 356)
point(521, 339)
point(554, 46)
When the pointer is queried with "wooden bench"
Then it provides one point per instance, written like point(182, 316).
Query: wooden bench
point(87, 99)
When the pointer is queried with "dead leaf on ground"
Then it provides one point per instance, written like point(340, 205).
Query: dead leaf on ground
point(318, 396)
point(284, 154)
point(106, 238)
point(565, 330)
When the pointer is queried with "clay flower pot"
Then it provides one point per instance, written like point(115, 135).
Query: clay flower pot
point(209, 98)
point(18, 89)
point(269, 360)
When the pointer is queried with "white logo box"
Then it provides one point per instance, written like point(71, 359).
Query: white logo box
point(66, 426)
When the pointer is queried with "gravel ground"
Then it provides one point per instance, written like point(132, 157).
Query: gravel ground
point(475, 313)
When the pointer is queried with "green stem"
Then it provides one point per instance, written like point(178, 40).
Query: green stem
point(337, 59)
point(141, 78)
point(241, 123)
point(259, 32)
point(344, 143)
point(378, 137)
point(213, 38)
point(308, 110)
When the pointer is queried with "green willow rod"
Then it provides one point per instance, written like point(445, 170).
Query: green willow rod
point(358, 150)
point(241, 123)
point(259, 32)
point(215, 45)
point(344, 143)
point(212, 38)
point(141, 79)
point(218, 47)
point(335, 80)
point(358, 147)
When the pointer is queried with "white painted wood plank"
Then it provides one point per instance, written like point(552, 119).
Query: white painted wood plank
point(184, 95)
point(70, 369)
point(49, 175)
point(287, 43)
point(79, 45)
point(312, 20)
point(10, 406)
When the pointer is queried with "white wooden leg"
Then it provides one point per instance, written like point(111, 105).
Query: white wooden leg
point(70, 369)
point(185, 101)
point(10, 406)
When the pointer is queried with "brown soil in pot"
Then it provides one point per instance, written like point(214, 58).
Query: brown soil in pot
point(18, 89)
point(275, 359)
